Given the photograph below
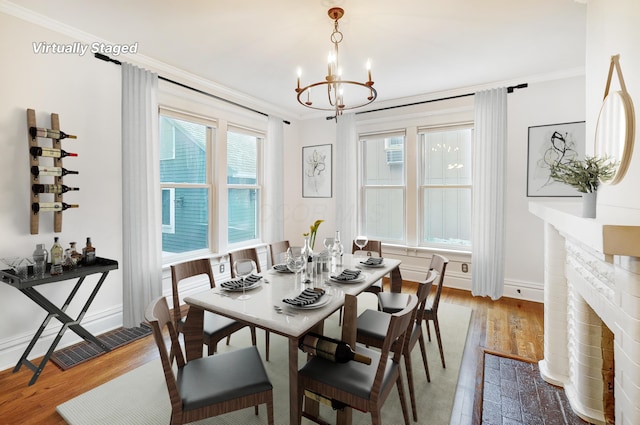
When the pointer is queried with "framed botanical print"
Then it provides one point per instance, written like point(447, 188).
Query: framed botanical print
point(317, 171)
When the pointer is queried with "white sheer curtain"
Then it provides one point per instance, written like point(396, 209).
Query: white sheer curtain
point(346, 179)
point(488, 209)
point(274, 179)
point(141, 204)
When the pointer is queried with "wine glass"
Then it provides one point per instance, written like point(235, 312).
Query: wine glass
point(242, 269)
point(361, 241)
point(295, 260)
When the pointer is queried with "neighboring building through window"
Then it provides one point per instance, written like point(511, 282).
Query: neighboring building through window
point(185, 184)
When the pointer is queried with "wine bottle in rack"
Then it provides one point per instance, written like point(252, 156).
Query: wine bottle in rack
point(37, 207)
point(49, 133)
point(50, 152)
point(334, 404)
point(330, 349)
point(50, 171)
point(52, 188)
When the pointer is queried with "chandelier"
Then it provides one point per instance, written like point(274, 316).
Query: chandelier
point(341, 94)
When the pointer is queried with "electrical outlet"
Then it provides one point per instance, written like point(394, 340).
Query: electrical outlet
point(221, 268)
point(465, 267)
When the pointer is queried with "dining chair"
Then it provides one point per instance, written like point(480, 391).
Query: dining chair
point(372, 247)
point(392, 301)
point(208, 386)
point(276, 249)
point(216, 327)
point(358, 385)
point(248, 254)
point(372, 326)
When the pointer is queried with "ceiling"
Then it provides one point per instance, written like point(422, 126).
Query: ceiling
point(416, 46)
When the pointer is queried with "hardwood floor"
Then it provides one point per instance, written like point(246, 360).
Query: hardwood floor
point(506, 326)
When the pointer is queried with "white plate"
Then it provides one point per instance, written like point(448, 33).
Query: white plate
point(359, 279)
point(247, 288)
point(322, 301)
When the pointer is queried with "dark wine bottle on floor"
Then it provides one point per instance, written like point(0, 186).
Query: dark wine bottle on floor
point(50, 152)
point(37, 207)
point(330, 349)
point(52, 188)
point(49, 133)
point(50, 171)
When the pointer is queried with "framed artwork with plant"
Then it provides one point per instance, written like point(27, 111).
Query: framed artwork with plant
point(317, 171)
point(548, 145)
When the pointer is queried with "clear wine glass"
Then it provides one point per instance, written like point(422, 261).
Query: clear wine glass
point(361, 241)
point(242, 269)
point(295, 260)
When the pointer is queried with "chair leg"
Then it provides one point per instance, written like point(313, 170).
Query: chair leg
point(376, 417)
point(437, 327)
point(228, 339)
point(403, 402)
point(270, 412)
point(426, 322)
point(412, 395)
point(423, 350)
point(340, 317)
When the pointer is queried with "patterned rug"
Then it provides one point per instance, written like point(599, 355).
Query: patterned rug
point(73, 355)
point(513, 392)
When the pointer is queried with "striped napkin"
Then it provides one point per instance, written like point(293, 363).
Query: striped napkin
point(282, 268)
point(306, 297)
point(373, 261)
point(239, 283)
point(347, 275)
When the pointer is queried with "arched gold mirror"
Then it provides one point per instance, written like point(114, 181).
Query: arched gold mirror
point(615, 130)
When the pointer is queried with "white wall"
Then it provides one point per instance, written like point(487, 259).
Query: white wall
point(85, 93)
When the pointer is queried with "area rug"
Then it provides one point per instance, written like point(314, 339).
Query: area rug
point(140, 397)
point(76, 354)
point(513, 392)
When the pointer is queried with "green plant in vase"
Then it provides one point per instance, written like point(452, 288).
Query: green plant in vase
point(313, 230)
point(585, 176)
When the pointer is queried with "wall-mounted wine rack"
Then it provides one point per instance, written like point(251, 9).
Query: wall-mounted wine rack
point(37, 178)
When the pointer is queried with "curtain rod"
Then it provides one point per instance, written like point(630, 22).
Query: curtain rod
point(160, 77)
point(510, 89)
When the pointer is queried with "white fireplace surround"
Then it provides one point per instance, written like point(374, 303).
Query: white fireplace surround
point(591, 278)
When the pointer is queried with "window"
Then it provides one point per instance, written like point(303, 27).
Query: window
point(445, 187)
point(243, 184)
point(185, 184)
point(383, 186)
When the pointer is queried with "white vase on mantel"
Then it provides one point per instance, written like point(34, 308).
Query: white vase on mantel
point(589, 204)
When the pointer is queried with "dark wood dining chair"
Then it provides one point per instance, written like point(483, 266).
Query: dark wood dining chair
point(371, 247)
point(372, 325)
point(358, 385)
point(216, 327)
point(276, 249)
point(392, 301)
point(248, 254)
point(208, 386)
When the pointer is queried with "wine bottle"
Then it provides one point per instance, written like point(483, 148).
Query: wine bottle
point(50, 171)
point(56, 257)
point(37, 207)
point(52, 188)
point(50, 152)
point(89, 253)
point(49, 133)
point(330, 349)
point(334, 404)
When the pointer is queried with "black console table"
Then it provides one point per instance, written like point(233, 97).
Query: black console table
point(27, 287)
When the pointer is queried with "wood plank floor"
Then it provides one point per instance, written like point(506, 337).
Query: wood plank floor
point(506, 326)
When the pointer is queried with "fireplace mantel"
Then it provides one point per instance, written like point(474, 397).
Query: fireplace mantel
point(591, 287)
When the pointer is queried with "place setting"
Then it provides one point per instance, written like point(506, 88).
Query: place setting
point(308, 299)
point(348, 276)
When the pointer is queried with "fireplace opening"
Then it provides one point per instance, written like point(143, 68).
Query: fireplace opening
point(608, 374)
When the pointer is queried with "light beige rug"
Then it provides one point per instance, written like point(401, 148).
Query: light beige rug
point(140, 396)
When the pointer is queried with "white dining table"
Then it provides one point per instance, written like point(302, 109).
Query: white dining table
point(258, 310)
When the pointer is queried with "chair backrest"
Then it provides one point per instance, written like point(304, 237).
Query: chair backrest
point(439, 265)
point(159, 317)
point(371, 246)
point(244, 254)
point(276, 249)
point(396, 333)
point(185, 270)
